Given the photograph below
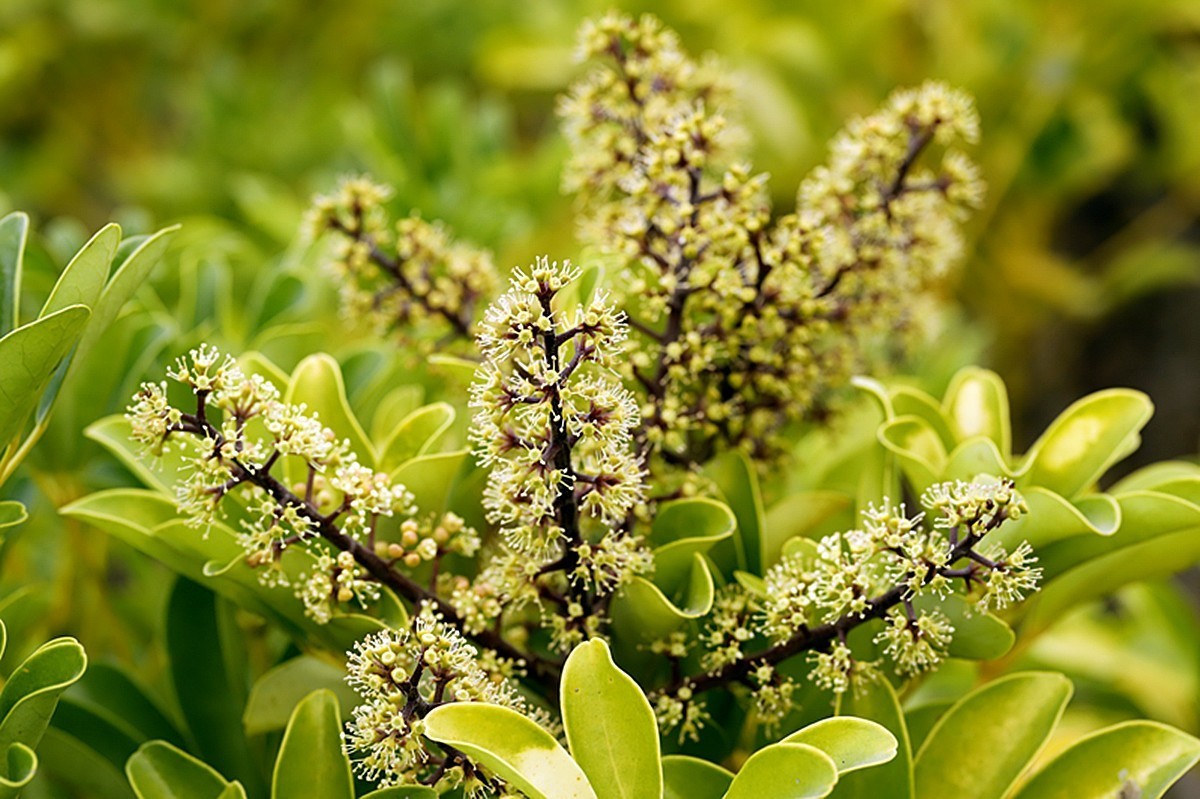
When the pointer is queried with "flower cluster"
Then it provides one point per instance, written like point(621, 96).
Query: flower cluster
point(239, 432)
point(403, 674)
point(876, 575)
point(403, 275)
point(747, 324)
point(553, 425)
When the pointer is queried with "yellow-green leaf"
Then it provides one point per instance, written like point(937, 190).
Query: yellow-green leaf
point(311, 761)
point(979, 748)
point(785, 771)
point(610, 726)
point(512, 746)
point(852, 743)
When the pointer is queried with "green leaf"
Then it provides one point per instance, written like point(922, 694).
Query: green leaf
point(892, 780)
point(14, 232)
point(1137, 758)
point(687, 777)
point(403, 792)
point(68, 761)
point(19, 766)
point(974, 457)
point(641, 611)
point(1087, 438)
point(852, 743)
point(785, 771)
point(311, 761)
point(394, 408)
point(512, 746)
point(28, 357)
point(431, 478)
point(735, 477)
point(32, 691)
point(416, 435)
point(207, 692)
point(979, 748)
point(1052, 518)
point(918, 449)
point(610, 727)
point(906, 401)
point(82, 281)
point(132, 273)
point(683, 529)
point(158, 770)
point(276, 693)
point(12, 513)
point(317, 382)
point(976, 404)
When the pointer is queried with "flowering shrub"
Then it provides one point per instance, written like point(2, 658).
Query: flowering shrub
point(612, 552)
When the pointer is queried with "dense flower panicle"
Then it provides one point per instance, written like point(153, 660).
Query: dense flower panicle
point(400, 275)
point(872, 576)
point(553, 425)
point(746, 324)
point(401, 675)
point(226, 454)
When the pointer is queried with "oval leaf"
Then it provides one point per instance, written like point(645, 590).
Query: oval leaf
point(1087, 438)
point(892, 780)
point(28, 357)
point(311, 761)
point(610, 726)
point(852, 743)
point(785, 771)
point(976, 404)
point(998, 729)
point(160, 771)
point(512, 746)
point(82, 281)
point(1137, 758)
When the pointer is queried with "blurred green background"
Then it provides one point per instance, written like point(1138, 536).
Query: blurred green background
point(1083, 270)
point(1083, 266)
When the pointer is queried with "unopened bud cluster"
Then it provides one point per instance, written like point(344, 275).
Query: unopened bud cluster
point(408, 274)
point(747, 323)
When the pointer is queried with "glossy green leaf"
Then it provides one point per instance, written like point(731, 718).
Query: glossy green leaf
point(83, 279)
point(641, 611)
point(403, 792)
point(207, 692)
point(998, 729)
point(1052, 518)
point(317, 383)
point(417, 434)
point(12, 513)
point(431, 478)
point(19, 766)
point(784, 771)
point(906, 401)
point(918, 449)
point(852, 743)
point(1137, 758)
point(921, 720)
point(276, 693)
point(683, 529)
point(32, 691)
point(159, 770)
point(109, 692)
point(976, 404)
point(891, 780)
point(67, 761)
point(610, 727)
point(1085, 440)
point(686, 777)
point(512, 746)
point(128, 278)
point(974, 457)
point(738, 483)
point(394, 408)
point(28, 357)
point(311, 761)
point(14, 232)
